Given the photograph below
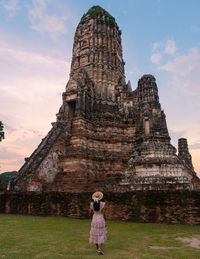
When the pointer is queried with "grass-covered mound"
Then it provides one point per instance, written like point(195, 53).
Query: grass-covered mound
point(27, 237)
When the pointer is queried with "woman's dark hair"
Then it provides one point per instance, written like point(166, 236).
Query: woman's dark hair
point(96, 205)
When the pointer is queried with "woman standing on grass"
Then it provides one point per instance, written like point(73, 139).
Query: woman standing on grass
point(98, 226)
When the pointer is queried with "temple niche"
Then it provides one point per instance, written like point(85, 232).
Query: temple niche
point(106, 135)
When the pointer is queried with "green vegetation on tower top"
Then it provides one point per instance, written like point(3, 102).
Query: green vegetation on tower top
point(101, 16)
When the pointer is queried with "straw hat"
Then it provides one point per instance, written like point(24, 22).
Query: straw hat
point(97, 195)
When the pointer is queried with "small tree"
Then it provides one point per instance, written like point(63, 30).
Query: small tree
point(2, 136)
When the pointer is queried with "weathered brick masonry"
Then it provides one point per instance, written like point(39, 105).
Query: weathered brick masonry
point(182, 207)
point(107, 137)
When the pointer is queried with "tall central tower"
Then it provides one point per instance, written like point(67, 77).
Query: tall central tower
point(97, 80)
point(106, 136)
point(97, 49)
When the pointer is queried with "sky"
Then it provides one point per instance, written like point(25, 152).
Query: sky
point(159, 37)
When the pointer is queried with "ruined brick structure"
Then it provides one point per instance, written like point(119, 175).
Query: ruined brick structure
point(184, 154)
point(106, 136)
point(160, 206)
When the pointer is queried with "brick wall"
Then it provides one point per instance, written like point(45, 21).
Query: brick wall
point(177, 207)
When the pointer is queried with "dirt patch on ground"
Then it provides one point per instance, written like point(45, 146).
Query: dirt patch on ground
point(191, 241)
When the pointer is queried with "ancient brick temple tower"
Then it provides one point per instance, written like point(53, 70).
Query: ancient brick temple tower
point(106, 137)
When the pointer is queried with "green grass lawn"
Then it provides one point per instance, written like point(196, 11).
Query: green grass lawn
point(58, 237)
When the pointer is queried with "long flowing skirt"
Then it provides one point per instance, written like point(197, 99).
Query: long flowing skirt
point(98, 229)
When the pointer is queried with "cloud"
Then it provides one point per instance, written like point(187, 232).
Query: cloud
point(170, 47)
point(31, 87)
point(24, 56)
point(156, 58)
point(185, 71)
point(37, 8)
point(33, 74)
point(160, 49)
point(11, 6)
point(43, 22)
point(53, 25)
point(194, 146)
point(6, 154)
point(20, 142)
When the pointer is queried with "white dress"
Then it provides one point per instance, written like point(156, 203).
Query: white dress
point(98, 225)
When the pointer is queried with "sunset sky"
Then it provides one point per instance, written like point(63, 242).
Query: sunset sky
point(159, 37)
